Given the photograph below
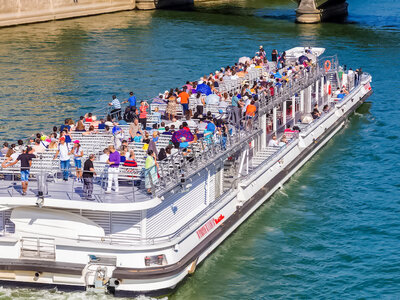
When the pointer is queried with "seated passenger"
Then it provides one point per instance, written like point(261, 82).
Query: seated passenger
point(123, 153)
point(80, 127)
point(306, 118)
point(273, 142)
point(71, 125)
point(88, 118)
point(121, 121)
point(175, 122)
point(167, 132)
point(336, 93)
point(134, 128)
point(172, 129)
point(38, 147)
point(65, 125)
point(316, 113)
point(90, 131)
point(184, 144)
point(102, 124)
point(138, 137)
point(190, 122)
point(162, 154)
point(288, 129)
point(109, 121)
point(104, 157)
point(341, 95)
point(146, 138)
point(161, 129)
point(130, 161)
point(65, 133)
point(5, 148)
point(157, 115)
point(53, 143)
point(326, 108)
point(283, 141)
point(155, 136)
point(202, 125)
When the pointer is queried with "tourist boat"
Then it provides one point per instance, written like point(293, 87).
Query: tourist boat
point(130, 242)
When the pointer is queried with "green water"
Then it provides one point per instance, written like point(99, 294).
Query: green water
point(333, 232)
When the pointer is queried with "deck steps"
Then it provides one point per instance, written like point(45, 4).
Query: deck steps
point(230, 174)
point(262, 155)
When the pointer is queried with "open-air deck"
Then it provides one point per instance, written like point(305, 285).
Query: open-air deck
point(46, 177)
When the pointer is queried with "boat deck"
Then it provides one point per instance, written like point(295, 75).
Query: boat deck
point(73, 190)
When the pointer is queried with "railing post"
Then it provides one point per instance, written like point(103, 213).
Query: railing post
point(38, 246)
point(163, 174)
point(294, 109)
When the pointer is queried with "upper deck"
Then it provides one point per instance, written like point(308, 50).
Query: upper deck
point(48, 189)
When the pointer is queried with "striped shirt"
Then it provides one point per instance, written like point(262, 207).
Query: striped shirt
point(116, 103)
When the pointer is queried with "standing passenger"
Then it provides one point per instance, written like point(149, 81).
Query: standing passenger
point(184, 100)
point(116, 112)
point(77, 152)
point(26, 162)
point(88, 172)
point(171, 105)
point(114, 161)
point(157, 115)
point(274, 55)
point(151, 165)
point(65, 164)
point(143, 114)
point(132, 101)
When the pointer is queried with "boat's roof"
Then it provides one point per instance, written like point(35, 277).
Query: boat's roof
point(296, 52)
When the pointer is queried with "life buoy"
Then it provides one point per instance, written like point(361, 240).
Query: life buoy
point(327, 65)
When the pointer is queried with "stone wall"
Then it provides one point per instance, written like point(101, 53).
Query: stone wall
point(14, 12)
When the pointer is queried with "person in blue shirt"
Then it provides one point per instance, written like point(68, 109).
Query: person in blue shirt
point(278, 83)
point(121, 121)
point(235, 100)
point(131, 100)
point(341, 95)
point(277, 74)
point(211, 126)
point(65, 126)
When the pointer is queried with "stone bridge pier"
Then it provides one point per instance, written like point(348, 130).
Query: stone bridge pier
point(153, 4)
point(314, 11)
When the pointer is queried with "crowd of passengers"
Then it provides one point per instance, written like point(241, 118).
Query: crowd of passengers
point(195, 97)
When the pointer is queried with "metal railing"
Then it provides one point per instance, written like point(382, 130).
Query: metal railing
point(175, 169)
point(38, 247)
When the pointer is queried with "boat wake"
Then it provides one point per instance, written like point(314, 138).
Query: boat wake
point(54, 294)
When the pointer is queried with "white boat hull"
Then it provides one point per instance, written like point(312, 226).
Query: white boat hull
point(123, 266)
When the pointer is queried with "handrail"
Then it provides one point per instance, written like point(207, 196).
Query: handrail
point(290, 145)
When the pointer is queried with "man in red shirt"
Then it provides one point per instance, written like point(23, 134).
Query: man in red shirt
point(184, 100)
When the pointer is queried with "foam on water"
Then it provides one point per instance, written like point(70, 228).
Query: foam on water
point(53, 294)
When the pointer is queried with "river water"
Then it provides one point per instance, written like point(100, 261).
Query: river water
point(333, 231)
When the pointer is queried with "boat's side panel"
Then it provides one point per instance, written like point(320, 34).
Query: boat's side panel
point(233, 218)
